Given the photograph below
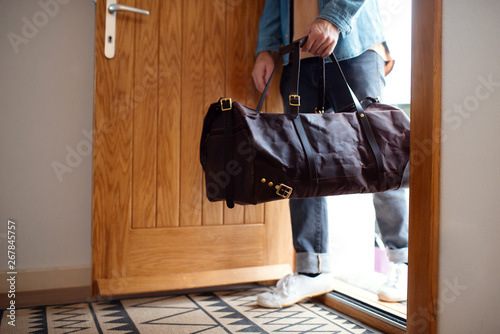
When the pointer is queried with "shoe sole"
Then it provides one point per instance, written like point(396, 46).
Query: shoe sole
point(300, 299)
point(392, 301)
point(387, 300)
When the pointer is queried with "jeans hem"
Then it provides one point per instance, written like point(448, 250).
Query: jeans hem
point(313, 263)
point(398, 255)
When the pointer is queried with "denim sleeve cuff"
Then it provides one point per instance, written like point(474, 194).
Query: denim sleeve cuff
point(341, 14)
point(267, 44)
point(342, 24)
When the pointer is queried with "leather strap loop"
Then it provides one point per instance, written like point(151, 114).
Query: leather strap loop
point(306, 145)
point(294, 80)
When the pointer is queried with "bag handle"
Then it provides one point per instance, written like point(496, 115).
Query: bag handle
point(294, 49)
point(294, 98)
point(295, 45)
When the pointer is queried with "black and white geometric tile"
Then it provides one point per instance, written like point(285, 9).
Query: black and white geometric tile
point(207, 313)
point(112, 317)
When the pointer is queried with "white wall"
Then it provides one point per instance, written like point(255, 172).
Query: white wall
point(46, 106)
point(469, 282)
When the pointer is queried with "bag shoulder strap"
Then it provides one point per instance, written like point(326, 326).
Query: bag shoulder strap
point(367, 129)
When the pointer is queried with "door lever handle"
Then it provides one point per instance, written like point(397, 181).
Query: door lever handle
point(122, 8)
point(110, 29)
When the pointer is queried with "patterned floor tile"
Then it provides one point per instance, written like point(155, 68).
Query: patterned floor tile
point(207, 313)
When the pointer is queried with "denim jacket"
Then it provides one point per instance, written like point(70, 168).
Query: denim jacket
point(358, 21)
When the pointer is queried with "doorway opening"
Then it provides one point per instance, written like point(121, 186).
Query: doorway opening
point(359, 255)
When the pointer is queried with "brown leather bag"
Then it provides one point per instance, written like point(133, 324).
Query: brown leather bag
point(250, 157)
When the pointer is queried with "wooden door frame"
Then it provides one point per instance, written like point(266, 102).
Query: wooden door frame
point(422, 306)
point(425, 169)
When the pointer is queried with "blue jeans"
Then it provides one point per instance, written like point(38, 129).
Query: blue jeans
point(365, 75)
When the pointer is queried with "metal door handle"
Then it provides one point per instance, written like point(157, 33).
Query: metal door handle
point(122, 8)
point(110, 37)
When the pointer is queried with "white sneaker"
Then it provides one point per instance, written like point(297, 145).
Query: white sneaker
point(396, 286)
point(293, 288)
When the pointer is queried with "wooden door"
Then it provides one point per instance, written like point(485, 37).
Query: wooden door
point(153, 228)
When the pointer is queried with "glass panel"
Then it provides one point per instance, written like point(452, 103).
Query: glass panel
point(360, 260)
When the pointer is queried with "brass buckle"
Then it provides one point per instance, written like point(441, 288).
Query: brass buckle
point(283, 191)
point(294, 100)
point(226, 104)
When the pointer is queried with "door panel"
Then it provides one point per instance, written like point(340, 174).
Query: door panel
point(204, 251)
point(214, 54)
point(152, 224)
point(192, 111)
point(145, 116)
point(169, 119)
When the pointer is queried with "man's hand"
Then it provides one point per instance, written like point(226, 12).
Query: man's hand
point(322, 38)
point(264, 65)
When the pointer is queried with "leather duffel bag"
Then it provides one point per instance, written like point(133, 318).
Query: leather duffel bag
point(250, 157)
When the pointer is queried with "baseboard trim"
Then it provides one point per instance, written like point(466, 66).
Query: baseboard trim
point(49, 279)
point(48, 297)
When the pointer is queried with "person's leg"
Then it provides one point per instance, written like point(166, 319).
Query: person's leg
point(309, 216)
point(391, 210)
point(365, 75)
point(309, 219)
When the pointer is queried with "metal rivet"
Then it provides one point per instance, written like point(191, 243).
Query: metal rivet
point(362, 115)
point(270, 184)
point(263, 180)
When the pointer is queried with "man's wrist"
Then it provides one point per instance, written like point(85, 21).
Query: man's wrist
point(325, 21)
point(263, 54)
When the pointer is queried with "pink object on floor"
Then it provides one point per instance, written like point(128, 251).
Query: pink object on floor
point(381, 261)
